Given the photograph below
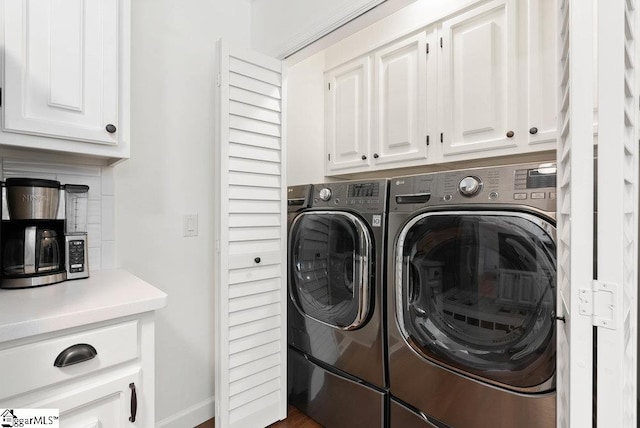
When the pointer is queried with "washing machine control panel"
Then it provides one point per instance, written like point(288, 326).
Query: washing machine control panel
point(531, 184)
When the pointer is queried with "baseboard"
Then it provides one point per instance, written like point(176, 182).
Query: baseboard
point(190, 417)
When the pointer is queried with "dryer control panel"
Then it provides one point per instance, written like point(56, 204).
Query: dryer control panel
point(369, 196)
point(531, 185)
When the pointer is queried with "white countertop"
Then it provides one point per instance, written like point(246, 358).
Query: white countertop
point(105, 295)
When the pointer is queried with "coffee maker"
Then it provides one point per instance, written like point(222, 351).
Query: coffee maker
point(42, 242)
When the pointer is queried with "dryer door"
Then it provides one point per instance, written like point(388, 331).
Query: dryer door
point(476, 292)
point(329, 268)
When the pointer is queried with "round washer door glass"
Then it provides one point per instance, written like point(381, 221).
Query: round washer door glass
point(329, 267)
point(476, 291)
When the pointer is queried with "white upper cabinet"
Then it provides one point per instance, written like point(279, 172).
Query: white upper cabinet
point(400, 91)
point(542, 92)
point(347, 113)
point(378, 110)
point(478, 83)
point(65, 75)
point(480, 79)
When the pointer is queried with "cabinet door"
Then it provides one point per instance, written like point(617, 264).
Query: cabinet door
point(347, 115)
point(98, 404)
point(479, 75)
point(542, 89)
point(61, 69)
point(401, 120)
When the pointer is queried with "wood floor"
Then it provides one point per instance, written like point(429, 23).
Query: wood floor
point(295, 419)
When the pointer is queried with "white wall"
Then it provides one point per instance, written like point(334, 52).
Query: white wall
point(280, 27)
point(170, 174)
point(305, 121)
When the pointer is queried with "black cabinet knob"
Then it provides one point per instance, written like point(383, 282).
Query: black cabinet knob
point(364, 157)
point(375, 156)
point(510, 134)
point(257, 260)
point(110, 128)
point(533, 131)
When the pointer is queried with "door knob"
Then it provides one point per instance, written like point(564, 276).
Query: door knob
point(110, 128)
point(533, 131)
point(510, 134)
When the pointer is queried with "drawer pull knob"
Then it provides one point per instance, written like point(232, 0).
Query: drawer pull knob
point(111, 128)
point(75, 354)
point(134, 402)
point(257, 260)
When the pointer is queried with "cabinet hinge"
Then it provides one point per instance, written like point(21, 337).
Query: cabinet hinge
point(329, 85)
point(427, 140)
point(0, 97)
point(440, 41)
point(219, 80)
point(427, 48)
point(329, 157)
point(600, 303)
point(442, 137)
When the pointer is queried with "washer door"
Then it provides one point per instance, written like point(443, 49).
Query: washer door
point(476, 292)
point(329, 268)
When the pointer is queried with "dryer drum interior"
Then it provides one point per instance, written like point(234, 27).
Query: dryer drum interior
point(476, 291)
point(330, 267)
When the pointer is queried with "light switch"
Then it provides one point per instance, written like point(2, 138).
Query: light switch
point(190, 225)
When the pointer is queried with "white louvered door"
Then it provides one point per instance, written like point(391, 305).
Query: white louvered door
point(575, 213)
point(251, 299)
point(617, 213)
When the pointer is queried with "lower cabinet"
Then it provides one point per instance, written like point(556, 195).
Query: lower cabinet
point(110, 403)
point(98, 375)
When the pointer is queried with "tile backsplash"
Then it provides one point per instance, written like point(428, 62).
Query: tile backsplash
point(100, 221)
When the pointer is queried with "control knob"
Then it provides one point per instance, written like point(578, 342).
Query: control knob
point(469, 186)
point(325, 194)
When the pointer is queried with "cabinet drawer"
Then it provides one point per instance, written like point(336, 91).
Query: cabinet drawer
point(29, 367)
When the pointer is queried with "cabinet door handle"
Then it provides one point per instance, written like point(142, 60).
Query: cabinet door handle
point(134, 402)
point(364, 157)
point(510, 134)
point(111, 128)
point(375, 156)
point(533, 131)
point(75, 354)
point(257, 260)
